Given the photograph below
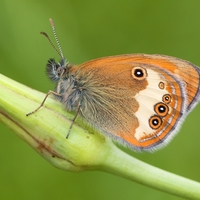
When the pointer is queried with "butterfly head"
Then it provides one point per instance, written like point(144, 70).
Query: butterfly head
point(56, 70)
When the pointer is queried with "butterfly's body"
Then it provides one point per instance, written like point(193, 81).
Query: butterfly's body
point(138, 100)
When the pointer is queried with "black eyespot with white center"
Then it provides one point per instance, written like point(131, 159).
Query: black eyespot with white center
point(161, 109)
point(155, 122)
point(166, 98)
point(139, 73)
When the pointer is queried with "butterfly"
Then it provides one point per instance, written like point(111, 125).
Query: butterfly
point(138, 100)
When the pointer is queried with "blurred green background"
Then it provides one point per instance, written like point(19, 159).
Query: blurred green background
point(89, 29)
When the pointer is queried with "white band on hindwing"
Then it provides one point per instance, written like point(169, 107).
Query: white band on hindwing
point(149, 97)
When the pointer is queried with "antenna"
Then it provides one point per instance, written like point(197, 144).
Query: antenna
point(60, 53)
point(57, 41)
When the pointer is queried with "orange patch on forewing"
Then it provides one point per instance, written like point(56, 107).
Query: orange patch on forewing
point(178, 67)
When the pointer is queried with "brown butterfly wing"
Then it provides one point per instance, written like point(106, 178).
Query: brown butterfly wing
point(141, 110)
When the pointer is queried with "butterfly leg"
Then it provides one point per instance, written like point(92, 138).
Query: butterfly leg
point(70, 128)
point(50, 92)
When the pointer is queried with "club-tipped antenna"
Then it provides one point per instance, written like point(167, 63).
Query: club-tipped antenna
point(59, 50)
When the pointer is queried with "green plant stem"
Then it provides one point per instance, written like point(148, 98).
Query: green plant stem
point(143, 173)
point(46, 130)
